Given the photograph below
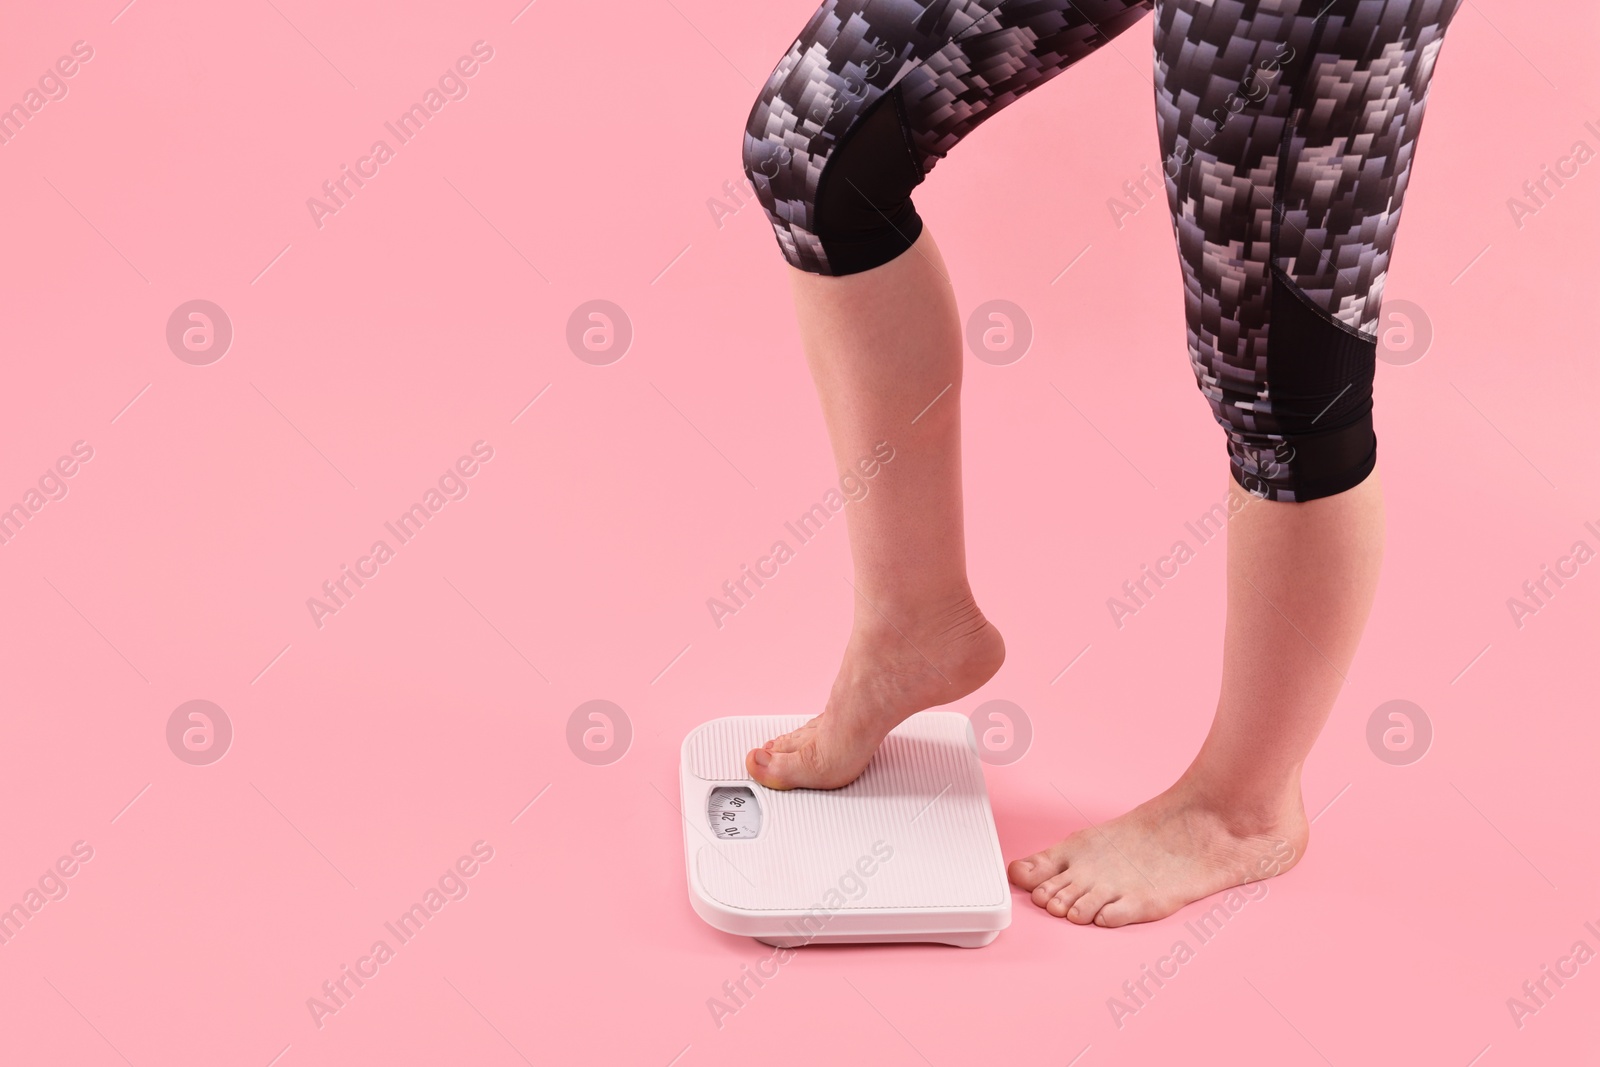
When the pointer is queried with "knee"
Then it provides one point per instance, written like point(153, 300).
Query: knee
point(838, 192)
point(776, 164)
point(1313, 436)
point(765, 155)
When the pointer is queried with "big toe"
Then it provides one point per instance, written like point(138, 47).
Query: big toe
point(1030, 871)
point(780, 770)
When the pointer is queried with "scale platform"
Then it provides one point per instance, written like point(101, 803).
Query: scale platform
point(906, 852)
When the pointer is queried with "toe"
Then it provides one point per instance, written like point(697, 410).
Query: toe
point(1030, 871)
point(1061, 903)
point(794, 739)
point(1050, 887)
point(780, 770)
point(758, 763)
point(786, 743)
point(1125, 910)
point(1088, 906)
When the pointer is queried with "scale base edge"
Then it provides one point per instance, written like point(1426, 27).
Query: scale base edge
point(956, 938)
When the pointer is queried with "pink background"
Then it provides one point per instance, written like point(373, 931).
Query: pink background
point(372, 752)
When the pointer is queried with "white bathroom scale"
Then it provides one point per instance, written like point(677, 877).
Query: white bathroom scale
point(906, 852)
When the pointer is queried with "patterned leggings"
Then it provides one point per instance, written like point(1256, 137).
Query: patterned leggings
point(1287, 129)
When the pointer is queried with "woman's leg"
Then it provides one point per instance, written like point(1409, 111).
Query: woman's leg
point(1291, 634)
point(1300, 583)
point(1285, 195)
point(884, 348)
point(865, 102)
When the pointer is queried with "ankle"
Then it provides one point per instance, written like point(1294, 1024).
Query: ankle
point(1246, 808)
point(888, 618)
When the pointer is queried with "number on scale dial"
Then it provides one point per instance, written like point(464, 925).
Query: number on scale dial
point(734, 813)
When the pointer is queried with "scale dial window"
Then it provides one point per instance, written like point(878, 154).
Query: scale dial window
point(734, 813)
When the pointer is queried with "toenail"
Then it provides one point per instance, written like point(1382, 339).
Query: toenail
point(762, 757)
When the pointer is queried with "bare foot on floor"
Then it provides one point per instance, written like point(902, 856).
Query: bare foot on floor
point(888, 675)
point(1165, 853)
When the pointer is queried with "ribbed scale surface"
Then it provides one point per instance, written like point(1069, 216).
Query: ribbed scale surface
point(922, 795)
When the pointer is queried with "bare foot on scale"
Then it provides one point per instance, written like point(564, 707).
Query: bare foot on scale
point(888, 675)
